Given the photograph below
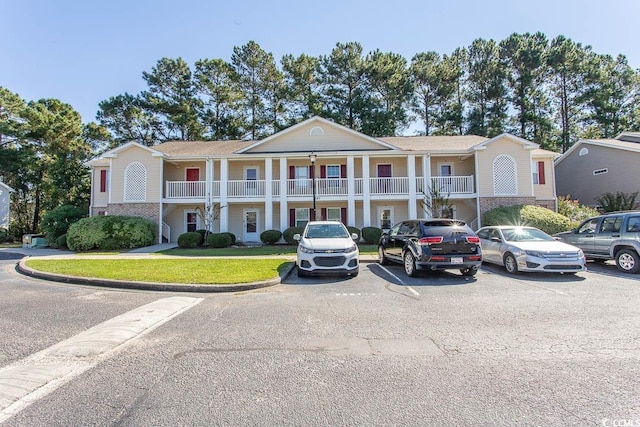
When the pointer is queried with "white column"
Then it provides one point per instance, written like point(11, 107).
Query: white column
point(426, 177)
point(224, 203)
point(284, 208)
point(366, 193)
point(268, 195)
point(351, 190)
point(91, 198)
point(160, 212)
point(411, 169)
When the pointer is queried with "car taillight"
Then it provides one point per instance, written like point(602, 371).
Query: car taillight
point(475, 258)
point(437, 258)
point(430, 240)
point(473, 239)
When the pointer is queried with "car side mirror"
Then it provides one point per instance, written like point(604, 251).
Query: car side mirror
point(355, 237)
point(296, 237)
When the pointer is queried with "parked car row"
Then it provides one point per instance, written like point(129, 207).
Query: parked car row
point(450, 244)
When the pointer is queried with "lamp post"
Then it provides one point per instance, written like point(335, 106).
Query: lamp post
point(312, 158)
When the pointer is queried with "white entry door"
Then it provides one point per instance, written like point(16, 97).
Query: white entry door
point(251, 231)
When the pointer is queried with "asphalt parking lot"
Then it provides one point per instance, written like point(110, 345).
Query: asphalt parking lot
point(377, 349)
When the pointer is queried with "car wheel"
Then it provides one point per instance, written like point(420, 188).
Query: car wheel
point(382, 259)
point(468, 271)
point(410, 264)
point(510, 263)
point(628, 261)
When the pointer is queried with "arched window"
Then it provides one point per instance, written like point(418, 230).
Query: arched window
point(584, 151)
point(316, 131)
point(505, 176)
point(135, 183)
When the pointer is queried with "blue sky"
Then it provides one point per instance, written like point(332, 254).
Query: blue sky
point(83, 52)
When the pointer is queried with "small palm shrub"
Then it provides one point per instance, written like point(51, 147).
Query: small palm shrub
point(270, 237)
point(371, 235)
point(219, 240)
point(619, 201)
point(190, 239)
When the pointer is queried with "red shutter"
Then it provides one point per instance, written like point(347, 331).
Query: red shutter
point(103, 180)
point(292, 172)
point(323, 171)
point(343, 171)
point(323, 214)
point(540, 172)
point(312, 171)
point(292, 217)
point(343, 215)
point(312, 215)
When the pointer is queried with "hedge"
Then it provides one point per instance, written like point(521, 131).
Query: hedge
point(57, 221)
point(371, 235)
point(190, 239)
point(289, 233)
point(219, 240)
point(355, 230)
point(269, 237)
point(110, 232)
point(535, 216)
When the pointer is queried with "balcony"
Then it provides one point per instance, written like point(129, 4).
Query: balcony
point(325, 187)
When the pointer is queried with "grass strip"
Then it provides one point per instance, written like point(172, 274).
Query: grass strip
point(256, 251)
point(162, 270)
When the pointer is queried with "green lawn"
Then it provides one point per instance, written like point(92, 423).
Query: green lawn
point(256, 251)
point(192, 271)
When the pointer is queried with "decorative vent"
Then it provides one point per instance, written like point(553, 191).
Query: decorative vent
point(583, 151)
point(505, 176)
point(135, 183)
point(600, 171)
point(316, 131)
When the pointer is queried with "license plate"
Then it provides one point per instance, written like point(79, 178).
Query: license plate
point(456, 260)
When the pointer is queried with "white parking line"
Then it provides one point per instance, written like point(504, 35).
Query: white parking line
point(29, 379)
point(413, 291)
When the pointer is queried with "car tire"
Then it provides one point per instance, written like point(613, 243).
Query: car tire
point(410, 264)
point(510, 263)
point(382, 259)
point(628, 261)
point(468, 272)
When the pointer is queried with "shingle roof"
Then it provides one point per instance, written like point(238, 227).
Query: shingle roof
point(201, 148)
point(435, 143)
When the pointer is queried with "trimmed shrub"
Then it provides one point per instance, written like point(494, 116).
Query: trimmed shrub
point(190, 239)
point(56, 222)
point(534, 216)
point(355, 230)
point(231, 236)
point(269, 237)
point(573, 210)
point(110, 232)
point(61, 241)
point(203, 233)
point(219, 240)
point(371, 235)
point(289, 232)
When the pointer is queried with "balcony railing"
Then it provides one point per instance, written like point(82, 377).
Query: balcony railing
point(324, 187)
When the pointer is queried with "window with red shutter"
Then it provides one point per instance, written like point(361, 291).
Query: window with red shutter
point(103, 181)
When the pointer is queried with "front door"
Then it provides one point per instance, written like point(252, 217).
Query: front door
point(384, 178)
point(193, 176)
point(251, 219)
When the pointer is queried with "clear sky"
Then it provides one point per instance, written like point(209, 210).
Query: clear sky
point(84, 51)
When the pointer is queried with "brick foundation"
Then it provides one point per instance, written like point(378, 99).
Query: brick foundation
point(150, 211)
point(488, 203)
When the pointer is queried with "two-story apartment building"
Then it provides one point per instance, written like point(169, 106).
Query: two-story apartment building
point(276, 182)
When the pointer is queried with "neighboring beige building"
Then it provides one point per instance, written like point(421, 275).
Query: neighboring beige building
point(592, 167)
point(273, 183)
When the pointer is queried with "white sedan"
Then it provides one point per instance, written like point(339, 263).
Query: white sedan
point(528, 249)
point(326, 247)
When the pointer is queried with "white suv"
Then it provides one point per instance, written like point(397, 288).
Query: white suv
point(326, 247)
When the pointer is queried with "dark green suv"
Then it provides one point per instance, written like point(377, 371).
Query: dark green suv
point(612, 236)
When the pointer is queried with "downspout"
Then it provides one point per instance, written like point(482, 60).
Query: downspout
point(93, 170)
point(477, 184)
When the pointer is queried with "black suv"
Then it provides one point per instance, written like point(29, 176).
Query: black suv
point(431, 244)
point(614, 236)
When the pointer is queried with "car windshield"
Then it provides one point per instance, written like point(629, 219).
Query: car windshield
point(326, 231)
point(519, 234)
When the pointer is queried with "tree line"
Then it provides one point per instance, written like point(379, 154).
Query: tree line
point(552, 92)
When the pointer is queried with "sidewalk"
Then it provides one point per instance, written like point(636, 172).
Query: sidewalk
point(150, 252)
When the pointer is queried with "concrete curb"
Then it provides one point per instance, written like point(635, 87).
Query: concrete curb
point(151, 286)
